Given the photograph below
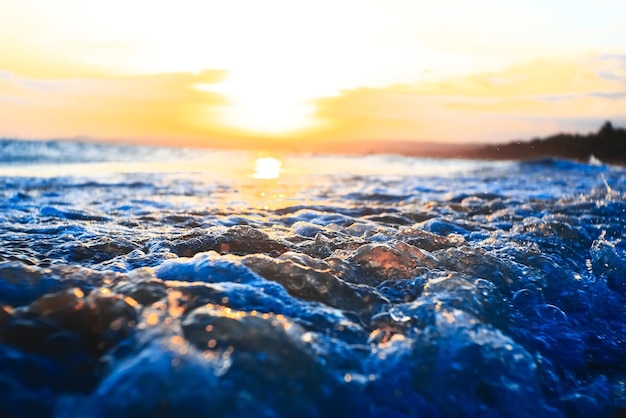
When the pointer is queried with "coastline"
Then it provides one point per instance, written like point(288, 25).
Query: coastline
point(607, 146)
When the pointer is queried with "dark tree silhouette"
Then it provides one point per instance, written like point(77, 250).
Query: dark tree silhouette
point(608, 145)
point(607, 129)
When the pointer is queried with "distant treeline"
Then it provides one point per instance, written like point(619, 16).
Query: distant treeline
point(608, 145)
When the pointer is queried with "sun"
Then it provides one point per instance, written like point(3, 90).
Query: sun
point(267, 103)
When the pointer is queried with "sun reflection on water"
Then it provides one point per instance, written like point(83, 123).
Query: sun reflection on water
point(267, 168)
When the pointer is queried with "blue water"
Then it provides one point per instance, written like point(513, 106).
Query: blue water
point(138, 281)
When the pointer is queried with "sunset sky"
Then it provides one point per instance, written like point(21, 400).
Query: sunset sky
point(196, 72)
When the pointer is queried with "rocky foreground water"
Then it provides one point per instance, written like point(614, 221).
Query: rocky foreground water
point(438, 289)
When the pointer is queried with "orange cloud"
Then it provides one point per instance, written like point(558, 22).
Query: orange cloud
point(536, 98)
point(154, 107)
point(532, 99)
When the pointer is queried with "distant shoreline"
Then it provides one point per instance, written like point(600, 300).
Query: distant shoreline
point(607, 145)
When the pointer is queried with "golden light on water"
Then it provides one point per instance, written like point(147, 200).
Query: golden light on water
point(267, 168)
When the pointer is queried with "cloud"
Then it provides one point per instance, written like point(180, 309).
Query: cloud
point(159, 86)
point(615, 95)
point(518, 101)
point(533, 98)
point(163, 105)
point(612, 67)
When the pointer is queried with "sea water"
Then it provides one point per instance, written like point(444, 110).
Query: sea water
point(140, 281)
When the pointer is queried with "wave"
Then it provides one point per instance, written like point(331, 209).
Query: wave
point(172, 294)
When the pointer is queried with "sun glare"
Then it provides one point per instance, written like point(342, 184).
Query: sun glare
point(268, 115)
point(271, 104)
point(267, 168)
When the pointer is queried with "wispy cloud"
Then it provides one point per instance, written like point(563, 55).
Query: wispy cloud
point(517, 101)
point(487, 106)
point(612, 67)
point(611, 95)
point(165, 105)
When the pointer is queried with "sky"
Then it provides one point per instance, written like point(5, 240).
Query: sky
point(200, 72)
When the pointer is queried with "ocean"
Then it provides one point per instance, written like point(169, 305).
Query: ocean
point(144, 281)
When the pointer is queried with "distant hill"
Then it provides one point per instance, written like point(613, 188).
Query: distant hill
point(608, 145)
